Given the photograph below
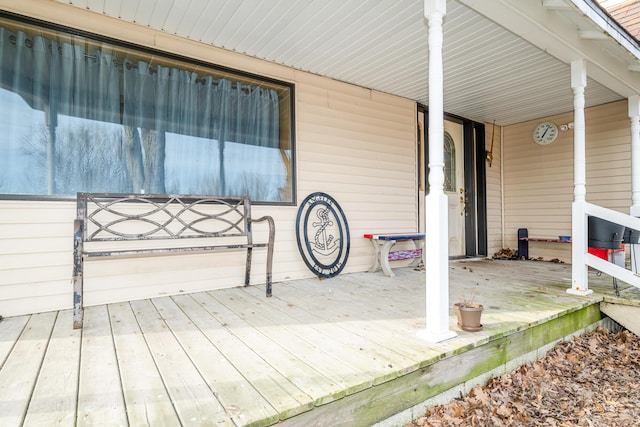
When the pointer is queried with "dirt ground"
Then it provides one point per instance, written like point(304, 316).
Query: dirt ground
point(592, 381)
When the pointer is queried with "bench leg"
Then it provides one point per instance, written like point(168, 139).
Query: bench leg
point(247, 272)
point(419, 244)
point(381, 256)
point(78, 268)
point(269, 267)
point(78, 310)
point(376, 256)
point(272, 236)
point(384, 258)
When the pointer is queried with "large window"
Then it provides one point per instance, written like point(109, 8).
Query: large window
point(79, 114)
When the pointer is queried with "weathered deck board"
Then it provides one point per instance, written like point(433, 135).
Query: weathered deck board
point(382, 355)
point(100, 398)
point(383, 323)
point(194, 401)
point(54, 397)
point(11, 329)
point(21, 368)
point(236, 394)
point(322, 389)
point(145, 394)
point(350, 369)
point(284, 396)
point(355, 319)
point(342, 351)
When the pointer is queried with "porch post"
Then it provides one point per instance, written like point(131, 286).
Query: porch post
point(579, 270)
point(436, 210)
point(634, 117)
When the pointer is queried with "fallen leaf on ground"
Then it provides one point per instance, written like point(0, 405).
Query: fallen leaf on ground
point(592, 381)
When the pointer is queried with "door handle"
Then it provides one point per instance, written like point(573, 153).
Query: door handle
point(463, 202)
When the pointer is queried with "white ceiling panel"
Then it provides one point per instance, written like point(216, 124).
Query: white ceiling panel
point(110, 8)
point(490, 73)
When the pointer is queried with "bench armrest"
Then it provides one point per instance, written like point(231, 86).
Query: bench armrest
point(272, 236)
point(272, 225)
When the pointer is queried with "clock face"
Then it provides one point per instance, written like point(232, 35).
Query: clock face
point(545, 133)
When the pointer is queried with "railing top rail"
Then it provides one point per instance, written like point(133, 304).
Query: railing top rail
point(612, 215)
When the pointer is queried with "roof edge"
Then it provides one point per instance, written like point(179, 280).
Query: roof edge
point(604, 20)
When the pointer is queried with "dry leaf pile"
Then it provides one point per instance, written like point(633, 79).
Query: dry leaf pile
point(593, 380)
point(506, 254)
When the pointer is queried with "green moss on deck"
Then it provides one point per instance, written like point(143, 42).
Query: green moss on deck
point(466, 363)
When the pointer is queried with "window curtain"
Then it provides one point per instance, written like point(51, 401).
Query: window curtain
point(59, 79)
point(178, 131)
point(221, 125)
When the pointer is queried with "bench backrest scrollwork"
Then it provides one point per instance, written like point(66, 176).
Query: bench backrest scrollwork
point(114, 217)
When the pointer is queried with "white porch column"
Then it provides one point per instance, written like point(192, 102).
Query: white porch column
point(634, 117)
point(579, 270)
point(436, 227)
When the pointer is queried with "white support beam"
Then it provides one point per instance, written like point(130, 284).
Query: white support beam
point(592, 35)
point(579, 225)
point(556, 5)
point(544, 24)
point(436, 227)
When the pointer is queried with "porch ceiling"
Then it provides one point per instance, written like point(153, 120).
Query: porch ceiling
point(490, 73)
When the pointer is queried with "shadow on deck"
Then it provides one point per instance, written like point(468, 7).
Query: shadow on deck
point(342, 351)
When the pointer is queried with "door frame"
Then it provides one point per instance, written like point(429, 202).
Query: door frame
point(475, 179)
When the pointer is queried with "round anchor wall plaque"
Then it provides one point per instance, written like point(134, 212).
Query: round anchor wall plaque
point(322, 233)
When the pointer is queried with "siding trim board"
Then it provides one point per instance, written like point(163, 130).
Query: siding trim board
point(481, 188)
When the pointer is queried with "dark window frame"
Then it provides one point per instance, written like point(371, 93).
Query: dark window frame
point(144, 50)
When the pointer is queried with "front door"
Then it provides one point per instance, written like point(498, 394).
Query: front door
point(454, 186)
point(464, 184)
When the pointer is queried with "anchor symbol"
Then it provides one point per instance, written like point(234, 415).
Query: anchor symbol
point(324, 242)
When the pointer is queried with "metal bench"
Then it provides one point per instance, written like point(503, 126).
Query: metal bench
point(382, 244)
point(111, 224)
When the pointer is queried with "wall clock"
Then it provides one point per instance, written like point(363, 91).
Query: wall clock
point(545, 133)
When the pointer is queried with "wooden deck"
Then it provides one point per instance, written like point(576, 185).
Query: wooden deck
point(333, 352)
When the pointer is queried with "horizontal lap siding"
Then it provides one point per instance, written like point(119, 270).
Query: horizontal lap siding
point(358, 146)
point(35, 256)
point(352, 143)
point(538, 187)
point(538, 180)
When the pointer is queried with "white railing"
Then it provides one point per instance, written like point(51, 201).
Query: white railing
point(581, 244)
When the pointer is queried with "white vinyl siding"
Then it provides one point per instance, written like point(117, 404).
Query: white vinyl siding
point(358, 146)
point(539, 179)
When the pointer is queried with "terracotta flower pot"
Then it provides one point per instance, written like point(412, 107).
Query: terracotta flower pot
point(469, 316)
